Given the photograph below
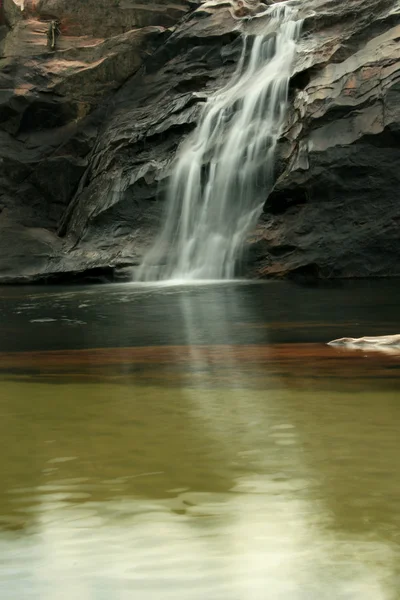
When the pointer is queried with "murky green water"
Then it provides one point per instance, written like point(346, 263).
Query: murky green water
point(203, 443)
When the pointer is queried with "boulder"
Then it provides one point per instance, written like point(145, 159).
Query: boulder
point(389, 344)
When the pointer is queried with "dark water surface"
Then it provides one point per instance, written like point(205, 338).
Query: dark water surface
point(198, 443)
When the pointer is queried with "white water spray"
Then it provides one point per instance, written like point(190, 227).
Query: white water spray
point(224, 170)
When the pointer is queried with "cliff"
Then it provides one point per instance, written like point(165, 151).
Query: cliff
point(89, 129)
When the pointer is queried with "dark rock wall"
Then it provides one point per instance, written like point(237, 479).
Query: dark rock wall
point(88, 133)
point(53, 106)
point(335, 210)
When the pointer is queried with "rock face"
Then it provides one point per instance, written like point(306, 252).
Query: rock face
point(335, 210)
point(88, 133)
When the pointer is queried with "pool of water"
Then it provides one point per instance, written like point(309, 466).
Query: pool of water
point(198, 442)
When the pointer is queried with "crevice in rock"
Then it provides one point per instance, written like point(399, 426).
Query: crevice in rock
point(279, 201)
point(301, 80)
point(281, 250)
point(194, 84)
point(306, 274)
point(388, 138)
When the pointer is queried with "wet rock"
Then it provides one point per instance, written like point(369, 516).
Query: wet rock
point(53, 105)
point(335, 205)
point(381, 340)
point(88, 134)
point(388, 344)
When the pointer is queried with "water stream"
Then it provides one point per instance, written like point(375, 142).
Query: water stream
point(224, 170)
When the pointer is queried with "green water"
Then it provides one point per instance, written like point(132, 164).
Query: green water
point(193, 470)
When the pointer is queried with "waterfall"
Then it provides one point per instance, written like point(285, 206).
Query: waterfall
point(224, 169)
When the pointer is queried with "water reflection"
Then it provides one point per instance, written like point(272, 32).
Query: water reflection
point(127, 316)
point(200, 484)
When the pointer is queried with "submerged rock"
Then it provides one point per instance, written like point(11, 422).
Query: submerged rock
point(88, 132)
point(383, 343)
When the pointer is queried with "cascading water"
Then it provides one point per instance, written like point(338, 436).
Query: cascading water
point(224, 170)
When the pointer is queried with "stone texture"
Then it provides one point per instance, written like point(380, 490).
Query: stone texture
point(335, 210)
point(88, 133)
point(53, 106)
